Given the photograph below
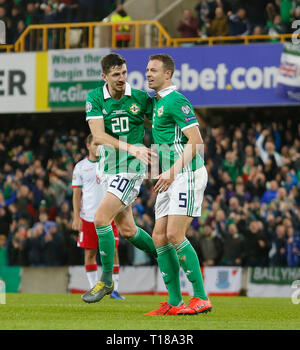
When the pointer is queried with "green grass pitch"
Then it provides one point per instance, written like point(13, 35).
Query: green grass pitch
point(69, 312)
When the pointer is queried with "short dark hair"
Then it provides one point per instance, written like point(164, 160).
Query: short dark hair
point(167, 61)
point(111, 60)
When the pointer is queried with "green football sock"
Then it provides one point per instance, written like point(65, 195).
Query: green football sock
point(107, 252)
point(169, 266)
point(143, 241)
point(188, 260)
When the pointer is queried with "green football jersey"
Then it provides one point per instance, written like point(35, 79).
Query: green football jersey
point(124, 120)
point(172, 114)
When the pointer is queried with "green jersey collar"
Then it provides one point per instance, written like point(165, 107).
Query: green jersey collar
point(92, 161)
point(106, 93)
point(166, 91)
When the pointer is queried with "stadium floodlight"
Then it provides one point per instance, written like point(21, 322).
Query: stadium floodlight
point(2, 33)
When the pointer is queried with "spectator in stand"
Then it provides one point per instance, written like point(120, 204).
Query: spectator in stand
point(24, 203)
point(16, 16)
point(258, 30)
point(270, 193)
point(20, 27)
point(210, 247)
point(44, 220)
point(256, 245)
point(221, 223)
point(272, 9)
point(49, 15)
point(52, 247)
point(233, 247)
point(249, 169)
point(276, 27)
point(231, 166)
point(219, 25)
point(292, 248)
point(123, 31)
point(16, 250)
point(238, 23)
point(57, 190)
point(279, 15)
point(203, 10)
point(266, 148)
point(241, 193)
point(188, 25)
point(33, 245)
point(32, 14)
point(256, 13)
point(277, 254)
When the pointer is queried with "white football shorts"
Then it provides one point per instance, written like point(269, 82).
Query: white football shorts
point(184, 196)
point(124, 186)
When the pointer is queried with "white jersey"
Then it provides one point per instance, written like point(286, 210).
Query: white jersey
point(93, 190)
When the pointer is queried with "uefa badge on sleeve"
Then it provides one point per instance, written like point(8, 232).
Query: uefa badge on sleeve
point(186, 109)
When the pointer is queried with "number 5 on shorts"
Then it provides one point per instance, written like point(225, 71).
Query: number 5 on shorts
point(182, 198)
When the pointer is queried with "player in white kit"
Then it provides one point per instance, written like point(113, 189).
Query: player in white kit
point(88, 191)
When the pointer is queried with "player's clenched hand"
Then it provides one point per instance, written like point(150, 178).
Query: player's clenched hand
point(142, 153)
point(77, 224)
point(164, 181)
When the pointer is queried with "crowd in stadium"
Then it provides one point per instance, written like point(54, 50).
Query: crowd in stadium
point(239, 18)
point(18, 14)
point(251, 210)
point(208, 18)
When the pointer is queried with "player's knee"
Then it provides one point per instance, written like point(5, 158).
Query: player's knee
point(172, 237)
point(127, 231)
point(100, 220)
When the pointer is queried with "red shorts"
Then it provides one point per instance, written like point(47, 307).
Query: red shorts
point(88, 238)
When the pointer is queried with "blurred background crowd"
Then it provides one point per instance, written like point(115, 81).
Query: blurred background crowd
point(18, 14)
point(239, 18)
point(208, 18)
point(251, 209)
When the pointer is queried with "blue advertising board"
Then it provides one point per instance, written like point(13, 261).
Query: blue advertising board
point(218, 76)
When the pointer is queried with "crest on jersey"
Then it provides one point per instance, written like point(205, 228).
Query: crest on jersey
point(88, 106)
point(134, 109)
point(186, 109)
point(160, 111)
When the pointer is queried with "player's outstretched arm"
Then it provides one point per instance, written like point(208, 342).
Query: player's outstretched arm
point(101, 137)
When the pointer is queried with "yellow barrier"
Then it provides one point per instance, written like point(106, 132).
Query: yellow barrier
point(233, 39)
point(6, 48)
point(38, 36)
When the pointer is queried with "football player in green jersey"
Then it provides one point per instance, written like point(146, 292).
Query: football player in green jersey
point(180, 187)
point(115, 113)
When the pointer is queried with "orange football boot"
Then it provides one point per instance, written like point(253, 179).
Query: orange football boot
point(196, 306)
point(166, 309)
